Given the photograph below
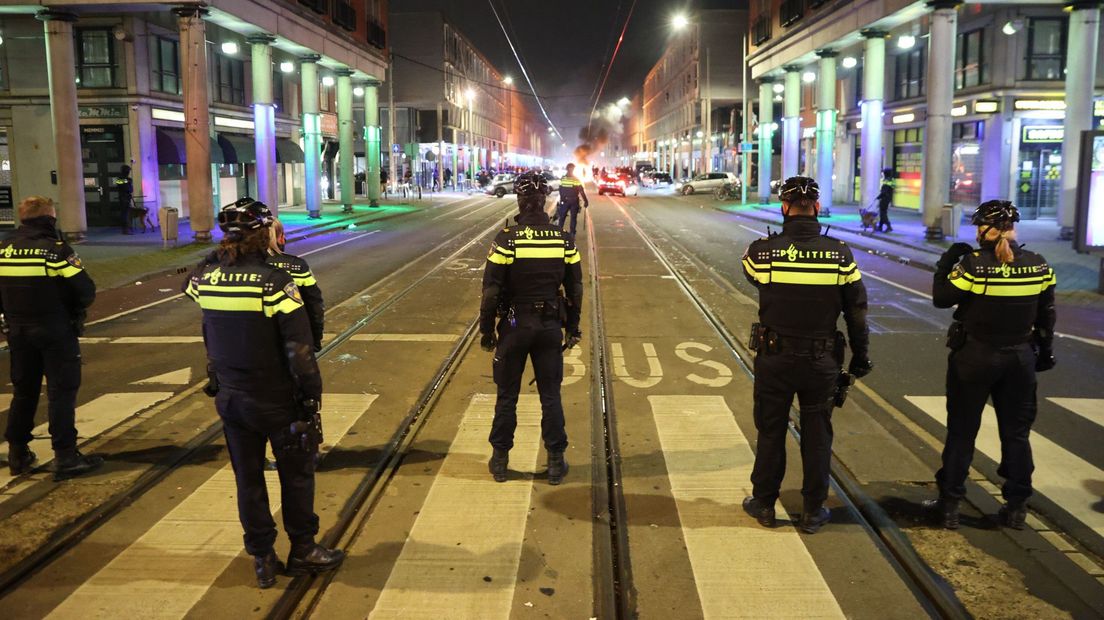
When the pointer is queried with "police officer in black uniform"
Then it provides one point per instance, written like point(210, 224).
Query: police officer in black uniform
point(1003, 333)
point(44, 296)
point(124, 187)
point(805, 280)
point(300, 272)
point(528, 264)
point(572, 194)
point(267, 387)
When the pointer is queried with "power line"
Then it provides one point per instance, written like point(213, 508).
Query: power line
point(525, 73)
point(487, 84)
point(616, 49)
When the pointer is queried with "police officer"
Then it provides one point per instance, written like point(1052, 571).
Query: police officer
point(885, 199)
point(571, 194)
point(1003, 333)
point(805, 280)
point(301, 274)
point(528, 264)
point(267, 387)
point(44, 296)
point(124, 187)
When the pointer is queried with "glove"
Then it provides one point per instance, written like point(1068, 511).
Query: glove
point(860, 366)
point(488, 342)
point(1044, 359)
point(572, 338)
point(952, 256)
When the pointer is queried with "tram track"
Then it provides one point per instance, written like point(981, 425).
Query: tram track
point(930, 589)
point(72, 533)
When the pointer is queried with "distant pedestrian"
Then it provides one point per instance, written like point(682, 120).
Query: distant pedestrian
point(572, 194)
point(885, 199)
point(124, 188)
point(448, 177)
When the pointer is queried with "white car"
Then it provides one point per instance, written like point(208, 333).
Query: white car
point(501, 185)
point(707, 182)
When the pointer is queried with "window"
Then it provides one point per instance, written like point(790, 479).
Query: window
point(1046, 48)
point(166, 65)
point(858, 84)
point(95, 58)
point(910, 74)
point(278, 89)
point(970, 69)
point(231, 80)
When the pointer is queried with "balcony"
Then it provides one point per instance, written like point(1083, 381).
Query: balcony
point(318, 6)
point(761, 30)
point(377, 34)
point(790, 12)
point(344, 15)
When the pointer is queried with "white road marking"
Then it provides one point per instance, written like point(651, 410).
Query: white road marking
point(404, 338)
point(573, 360)
point(483, 208)
point(1062, 476)
point(453, 210)
point(470, 528)
point(92, 419)
point(5, 401)
point(739, 567)
point(167, 570)
point(724, 373)
point(175, 377)
point(157, 340)
point(1092, 409)
point(620, 369)
point(342, 242)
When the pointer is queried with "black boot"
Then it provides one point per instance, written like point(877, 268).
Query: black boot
point(20, 459)
point(72, 463)
point(1013, 515)
point(313, 559)
point(813, 520)
point(557, 468)
point(497, 465)
point(266, 567)
point(763, 514)
point(946, 509)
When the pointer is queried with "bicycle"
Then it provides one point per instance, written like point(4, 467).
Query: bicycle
point(728, 191)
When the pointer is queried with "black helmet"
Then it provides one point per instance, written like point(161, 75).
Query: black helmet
point(245, 214)
point(999, 214)
point(796, 188)
point(530, 184)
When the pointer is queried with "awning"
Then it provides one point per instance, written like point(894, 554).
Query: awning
point(288, 152)
point(170, 147)
point(238, 148)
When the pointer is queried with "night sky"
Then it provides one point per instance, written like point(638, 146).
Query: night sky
point(565, 44)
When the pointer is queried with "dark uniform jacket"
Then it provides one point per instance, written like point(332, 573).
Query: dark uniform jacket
point(528, 263)
point(41, 279)
point(1000, 304)
point(301, 274)
point(125, 187)
point(805, 280)
point(571, 190)
point(255, 327)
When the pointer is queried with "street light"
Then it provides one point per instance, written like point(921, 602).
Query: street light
point(906, 41)
point(680, 21)
point(229, 48)
point(808, 77)
point(508, 80)
point(623, 102)
point(779, 89)
point(470, 94)
point(1012, 27)
point(358, 91)
point(287, 67)
point(328, 81)
point(849, 62)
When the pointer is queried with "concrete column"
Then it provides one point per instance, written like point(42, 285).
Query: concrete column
point(394, 175)
point(873, 101)
point(372, 162)
point(1083, 42)
point(61, 67)
point(312, 135)
point(440, 147)
point(935, 184)
point(826, 128)
point(766, 137)
point(197, 119)
point(264, 120)
point(791, 122)
point(345, 137)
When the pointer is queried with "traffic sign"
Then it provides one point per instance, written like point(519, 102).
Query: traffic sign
point(396, 148)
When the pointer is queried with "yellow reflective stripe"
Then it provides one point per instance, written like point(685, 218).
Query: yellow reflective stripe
point(803, 277)
point(499, 259)
point(503, 250)
point(287, 306)
point(962, 283)
point(9, 270)
point(540, 252)
point(521, 242)
point(760, 274)
point(1017, 290)
point(231, 289)
point(571, 259)
point(68, 271)
point(824, 266)
point(233, 304)
point(191, 291)
point(849, 274)
point(33, 259)
point(304, 280)
point(756, 266)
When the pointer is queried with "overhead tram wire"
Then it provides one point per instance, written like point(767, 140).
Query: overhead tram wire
point(525, 73)
point(606, 55)
point(616, 49)
point(495, 85)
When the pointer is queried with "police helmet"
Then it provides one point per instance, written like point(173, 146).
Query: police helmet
point(244, 214)
point(1000, 214)
point(531, 184)
point(796, 188)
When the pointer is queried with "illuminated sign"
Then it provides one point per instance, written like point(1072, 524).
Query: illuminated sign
point(959, 110)
point(1089, 231)
point(986, 107)
point(161, 114)
point(1040, 104)
point(808, 132)
point(1043, 133)
point(903, 118)
point(1098, 107)
point(236, 123)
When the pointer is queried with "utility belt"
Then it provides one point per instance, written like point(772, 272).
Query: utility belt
point(957, 337)
point(545, 310)
point(764, 340)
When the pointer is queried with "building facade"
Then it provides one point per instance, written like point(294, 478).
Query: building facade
point(691, 96)
point(962, 102)
point(89, 87)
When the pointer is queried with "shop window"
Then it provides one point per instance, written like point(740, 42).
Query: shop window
point(231, 80)
point(95, 58)
point(166, 65)
point(908, 161)
point(1046, 48)
point(966, 163)
point(970, 68)
point(858, 84)
point(910, 74)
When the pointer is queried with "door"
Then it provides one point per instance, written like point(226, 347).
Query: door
point(102, 153)
point(1039, 182)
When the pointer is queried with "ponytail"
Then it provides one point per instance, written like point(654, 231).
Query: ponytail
point(1002, 243)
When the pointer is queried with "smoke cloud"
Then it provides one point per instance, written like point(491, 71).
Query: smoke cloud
point(607, 123)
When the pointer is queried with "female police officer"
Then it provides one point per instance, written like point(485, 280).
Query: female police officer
point(1002, 335)
point(260, 349)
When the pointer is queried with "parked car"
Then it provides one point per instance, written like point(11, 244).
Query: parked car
point(618, 184)
point(553, 181)
point(501, 185)
point(707, 182)
point(655, 178)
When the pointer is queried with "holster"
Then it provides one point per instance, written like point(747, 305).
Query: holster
point(757, 336)
point(306, 433)
point(956, 335)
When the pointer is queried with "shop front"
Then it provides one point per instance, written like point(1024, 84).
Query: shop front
point(908, 165)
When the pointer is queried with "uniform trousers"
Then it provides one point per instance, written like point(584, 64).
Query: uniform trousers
point(976, 372)
point(541, 340)
point(778, 378)
point(252, 420)
point(49, 349)
point(563, 210)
